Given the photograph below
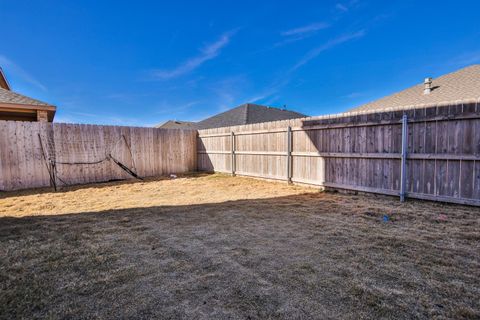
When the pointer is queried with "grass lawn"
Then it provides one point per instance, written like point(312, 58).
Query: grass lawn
point(217, 247)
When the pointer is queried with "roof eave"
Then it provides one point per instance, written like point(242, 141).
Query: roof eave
point(28, 106)
point(51, 110)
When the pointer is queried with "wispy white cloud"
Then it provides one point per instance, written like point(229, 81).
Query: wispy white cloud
point(12, 67)
point(467, 58)
point(354, 95)
point(300, 33)
point(271, 89)
point(130, 98)
point(272, 100)
point(226, 101)
point(285, 78)
point(176, 109)
point(311, 28)
point(341, 7)
point(312, 54)
point(344, 7)
point(209, 52)
point(229, 92)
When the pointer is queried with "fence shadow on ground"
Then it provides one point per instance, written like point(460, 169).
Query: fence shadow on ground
point(282, 257)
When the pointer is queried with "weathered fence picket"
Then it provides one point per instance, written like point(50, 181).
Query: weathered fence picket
point(434, 156)
point(78, 153)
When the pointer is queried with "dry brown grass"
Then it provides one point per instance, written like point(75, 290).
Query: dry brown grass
point(185, 190)
point(220, 247)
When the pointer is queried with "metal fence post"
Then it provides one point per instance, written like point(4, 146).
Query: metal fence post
point(403, 170)
point(289, 154)
point(233, 164)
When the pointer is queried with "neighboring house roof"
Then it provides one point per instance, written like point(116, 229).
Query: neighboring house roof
point(3, 81)
point(174, 124)
point(247, 113)
point(463, 84)
point(7, 96)
point(19, 107)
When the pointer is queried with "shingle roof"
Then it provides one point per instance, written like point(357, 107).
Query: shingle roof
point(463, 84)
point(174, 124)
point(247, 114)
point(7, 96)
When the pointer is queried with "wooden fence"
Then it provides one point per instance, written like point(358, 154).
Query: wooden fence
point(360, 151)
point(30, 152)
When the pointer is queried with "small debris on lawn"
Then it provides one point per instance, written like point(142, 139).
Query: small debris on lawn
point(385, 218)
point(173, 176)
point(442, 218)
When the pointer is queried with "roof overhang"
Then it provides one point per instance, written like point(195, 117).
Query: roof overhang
point(26, 108)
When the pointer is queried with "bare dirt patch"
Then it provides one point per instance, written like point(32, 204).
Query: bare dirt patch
point(212, 246)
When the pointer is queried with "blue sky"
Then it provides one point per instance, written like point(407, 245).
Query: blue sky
point(141, 63)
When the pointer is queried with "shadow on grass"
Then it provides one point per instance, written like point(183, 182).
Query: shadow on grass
point(302, 256)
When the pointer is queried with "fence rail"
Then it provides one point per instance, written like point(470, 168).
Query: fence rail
point(437, 147)
point(427, 153)
point(36, 154)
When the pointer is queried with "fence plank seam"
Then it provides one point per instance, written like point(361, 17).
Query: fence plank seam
point(403, 172)
point(361, 152)
point(57, 154)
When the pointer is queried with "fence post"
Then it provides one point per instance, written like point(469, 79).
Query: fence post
point(289, 154)
point(233, 164)
point(403, 169)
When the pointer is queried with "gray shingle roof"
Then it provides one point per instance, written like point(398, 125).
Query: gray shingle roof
point(247, 114)
point(463, 84)
point(7, 96)
point(174, 124)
